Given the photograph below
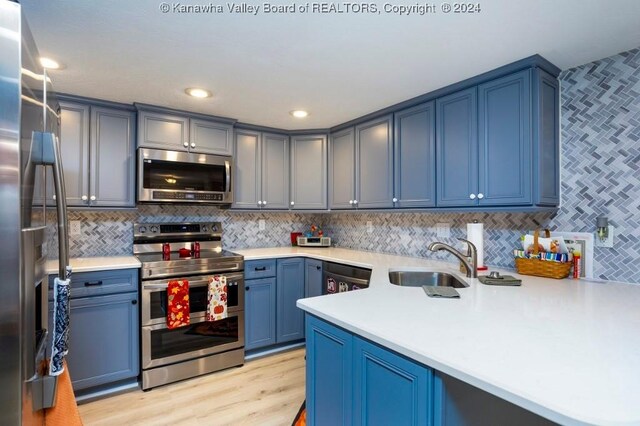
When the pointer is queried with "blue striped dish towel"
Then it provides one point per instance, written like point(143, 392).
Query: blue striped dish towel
point(60, 336)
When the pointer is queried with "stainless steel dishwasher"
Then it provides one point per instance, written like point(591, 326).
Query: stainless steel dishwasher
point(338, 278)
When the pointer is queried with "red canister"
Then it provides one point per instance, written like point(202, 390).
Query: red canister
point(166, 251)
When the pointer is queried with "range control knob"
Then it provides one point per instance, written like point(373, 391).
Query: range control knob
point(204, 228)
point(142, 229)
point(154, 228)
point(214, 228)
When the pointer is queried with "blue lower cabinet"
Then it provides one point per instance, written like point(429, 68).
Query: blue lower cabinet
point(260, 318)
point(103, 339)
point(389, 389)
point(290, 288)
point(329, 378)
point(312, 277)
point(351, 381)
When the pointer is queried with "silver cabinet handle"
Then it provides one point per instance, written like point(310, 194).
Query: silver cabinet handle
point(395, 200)
point(350, 201)
point(92, 198)
point(472, 196)
point(185, 144)
point(193, 145)
point(480, 196)
point(84, 198)
point(292, 203)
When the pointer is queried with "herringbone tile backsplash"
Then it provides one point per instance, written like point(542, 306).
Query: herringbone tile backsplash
point(600, 175)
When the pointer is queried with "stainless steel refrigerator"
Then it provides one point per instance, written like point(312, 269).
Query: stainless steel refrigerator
point(29, 151)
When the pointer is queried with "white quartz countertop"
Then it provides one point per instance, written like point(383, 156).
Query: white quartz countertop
point(568, 350)
point(88, 264)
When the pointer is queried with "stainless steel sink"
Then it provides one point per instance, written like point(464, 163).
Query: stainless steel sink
point(429, 278)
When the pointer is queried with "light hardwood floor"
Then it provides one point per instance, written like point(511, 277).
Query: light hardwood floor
point(265, 391)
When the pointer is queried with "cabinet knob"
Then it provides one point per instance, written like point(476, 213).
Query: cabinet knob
point(92, 198)
point(472, 196)
point(264, 203)
point(247, 288)
point(350, 201)
point(193, 145)
point(318, 268)
point(185, 144)
point(355, 201)
point(395, 200)
point(259, 203)
point(292, 203)
point(84, 198)
point(480, 196)
point(134, 302)
point(54, 197)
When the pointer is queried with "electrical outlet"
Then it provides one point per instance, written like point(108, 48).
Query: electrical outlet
point(74, 227)
point(261, 225)
point(609, 241)
point(369, 227)
point(443, 230)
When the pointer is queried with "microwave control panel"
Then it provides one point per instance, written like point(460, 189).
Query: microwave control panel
point(170, 195)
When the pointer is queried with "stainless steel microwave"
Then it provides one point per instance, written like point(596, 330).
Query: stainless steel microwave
point(183, 177)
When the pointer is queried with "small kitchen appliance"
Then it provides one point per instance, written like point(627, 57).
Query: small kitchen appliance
point(169, 355)
point(314, 241)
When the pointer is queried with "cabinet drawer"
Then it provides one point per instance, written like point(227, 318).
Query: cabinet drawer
point(259, 269)
point(97, 283)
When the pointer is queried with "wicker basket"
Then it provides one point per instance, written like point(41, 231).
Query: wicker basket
point(542, 268)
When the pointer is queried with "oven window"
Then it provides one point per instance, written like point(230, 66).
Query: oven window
point(203, 335)
point(197, 300)
point(184, 176)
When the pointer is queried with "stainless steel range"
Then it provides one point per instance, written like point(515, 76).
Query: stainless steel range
point(191, 251)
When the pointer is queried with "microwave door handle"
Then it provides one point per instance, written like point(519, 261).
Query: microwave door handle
point(227, 169)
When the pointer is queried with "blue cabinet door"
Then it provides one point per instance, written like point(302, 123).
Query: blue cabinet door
point(546, 132)
point(342, 170)
point(374, 163)
point(329, 379)
point(290, 288)
point(260, 317)
point(312, 278)
point(275, 171)
point(103, 339)
point(457, 149)
point(389, 389)
point(308, 172)
point(112, 152)
point(415, 157)
point(505, 140)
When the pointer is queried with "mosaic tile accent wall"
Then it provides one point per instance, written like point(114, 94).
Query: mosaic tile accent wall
point(110, 233)
point(601, 158)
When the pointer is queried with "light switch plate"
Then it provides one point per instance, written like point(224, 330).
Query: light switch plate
point(261, 225)
point(443, 230)
point(75, 227)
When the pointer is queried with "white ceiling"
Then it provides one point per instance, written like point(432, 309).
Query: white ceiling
point(337, 66)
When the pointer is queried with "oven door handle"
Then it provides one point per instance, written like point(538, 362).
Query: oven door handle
point(195, 283)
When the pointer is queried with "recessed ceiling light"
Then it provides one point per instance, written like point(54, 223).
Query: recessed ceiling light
point(50, 64)
point(299, 113)
point(197, 93)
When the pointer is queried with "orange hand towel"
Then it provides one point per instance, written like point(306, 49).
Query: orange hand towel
point(65, 412)
point(178, 304)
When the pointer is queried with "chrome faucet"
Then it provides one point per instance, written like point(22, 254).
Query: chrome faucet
point(472, 252)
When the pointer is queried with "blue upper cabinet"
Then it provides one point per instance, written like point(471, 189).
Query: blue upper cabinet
point(261, 170)
point(457, 149)
point(504, 111)
point(308, 172)
point(546, 131)
point(415, 157)
point(342, 170)
point(374, 163)
point(172, 130)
